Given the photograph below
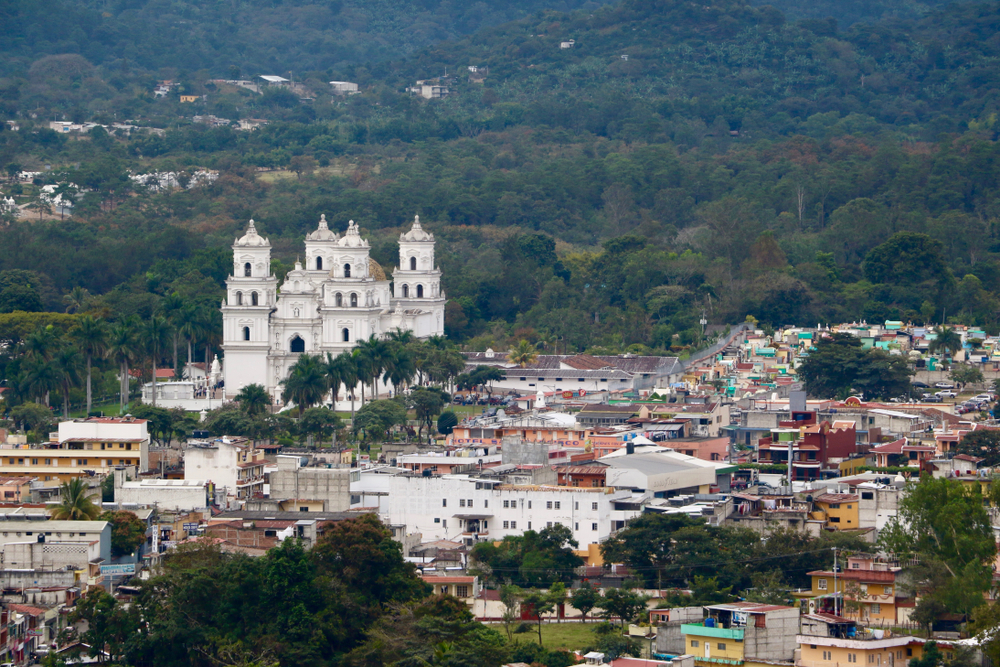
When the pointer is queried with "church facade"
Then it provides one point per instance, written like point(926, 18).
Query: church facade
point(338, 297)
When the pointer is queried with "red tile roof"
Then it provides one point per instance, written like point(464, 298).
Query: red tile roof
point(25, 609)
point(836, 498)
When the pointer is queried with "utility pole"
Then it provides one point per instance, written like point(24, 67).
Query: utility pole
point(835, 582)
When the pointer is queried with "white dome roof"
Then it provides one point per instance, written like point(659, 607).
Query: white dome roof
point(416, 232)
point(252, 238)
point(351, 238)
point(323, 232)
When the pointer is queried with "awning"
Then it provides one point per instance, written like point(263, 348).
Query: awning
point(469, 517)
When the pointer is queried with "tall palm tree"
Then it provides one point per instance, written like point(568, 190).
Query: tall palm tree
point(155, 333)
point(306, 383)
point(523, 355)
point(91, 335)
point(947, 340)
point(399, 367)
point(42, 343)
point(173, 309)
point(253, 399)
point(68, 362)
point(76, 503)
point(373, 356)
point(346, 369)
point(189, 330)
point(41, 377)
point(401, 336)
point(123, 348)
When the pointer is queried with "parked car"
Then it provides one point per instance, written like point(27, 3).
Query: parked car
point(931, 399)
point(944, 385)
point(921, 385)
point(946, 394)
point(983, 397)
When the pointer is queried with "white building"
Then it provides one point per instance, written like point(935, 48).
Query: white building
point(339, 297)
point(82, 533)
point(470, 509)
point(344, 87)
point(107, 437)
point(233, 465)
point(176, 495)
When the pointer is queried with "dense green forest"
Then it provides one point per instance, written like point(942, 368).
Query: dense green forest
point(736, 163)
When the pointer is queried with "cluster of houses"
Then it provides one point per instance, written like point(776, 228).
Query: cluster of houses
point(582, 441)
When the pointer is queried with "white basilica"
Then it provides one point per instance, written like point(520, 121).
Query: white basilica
point(341, 296)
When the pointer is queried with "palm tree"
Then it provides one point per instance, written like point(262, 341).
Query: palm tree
point(401, 336)
point(76, 504)
point(41, 377)
point(174, 310)
point(399, 367)
point(947, 340)
point(91, 335)
point(189, 330)
point(253, 399)
point(373, 355)
point(154, 334)
point(122, 347)
point(68, 362)
point(345, 370)
point(523, 355)
point(306, 383)
point(41, 344)
point(76, 301)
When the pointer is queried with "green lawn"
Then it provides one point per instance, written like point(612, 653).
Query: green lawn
point(570, 636)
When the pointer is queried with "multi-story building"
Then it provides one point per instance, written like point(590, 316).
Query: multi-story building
point(833, 641)
point(743, 633)
point(471, 508)
point(230, 463)
point(865, 590)
point(85, 447)
point(815, 449)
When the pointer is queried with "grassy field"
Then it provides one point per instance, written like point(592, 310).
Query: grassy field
point(570, 636)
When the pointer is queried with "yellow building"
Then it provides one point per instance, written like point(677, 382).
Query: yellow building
point(860, 591)
point(838, 510)
point(85, 447)
point(747, 634)
point(189, 98)
point(866, 650)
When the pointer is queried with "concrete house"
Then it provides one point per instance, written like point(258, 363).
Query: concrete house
point(743, 633)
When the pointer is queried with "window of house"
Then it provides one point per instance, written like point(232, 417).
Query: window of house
point(694, 643)
point(437, 520)
point(461, 502)
point(444, 502)
point(867, 495)
point(338, 299)
point(529, 525)
point(468, 503)
point(821, 584)
point(593, 526)
point(420, 291)
point(887, 590)
point(548, 524)
point(835, 506)
point(48, 462)
point(319, 263)
point(246, 333)
point(876, 608)
point(576, 505)
point(253, 298)
point(722, 646)
point(834, 519)
point(462, 591)
point(506, 524)
point(486, 503)
point(593, 506)
point(406, 291)
point(346, 335)
point(576, 526)
point(413, 264)
point(548, 504)
point(297, 345)
point(506, 503)
point(513, 525)
point(529, 504)
point(34, 462)
point(557, 504)
point(239, 298)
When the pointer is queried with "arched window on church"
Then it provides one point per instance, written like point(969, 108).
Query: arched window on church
point(347, 270)
point(346, 333)
point(354, 300)
point(319, 263)
point(420, 291)
point(253, 298)
point(247, 270)
point(339, 300)
point(239, 298)
point(406, 291)
point(246, 333)
point(413, 264)
point(298, 345)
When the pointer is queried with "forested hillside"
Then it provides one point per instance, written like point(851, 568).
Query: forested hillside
point(736, 163)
